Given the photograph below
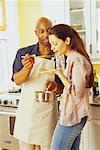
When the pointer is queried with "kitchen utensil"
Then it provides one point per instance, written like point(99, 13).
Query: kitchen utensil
point(45, 96)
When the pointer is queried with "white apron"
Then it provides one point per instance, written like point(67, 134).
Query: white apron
point(35, 121)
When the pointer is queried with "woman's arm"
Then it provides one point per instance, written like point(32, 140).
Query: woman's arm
point(62, 77)
point(77, 81)
point(79, 73)
point(53, 86)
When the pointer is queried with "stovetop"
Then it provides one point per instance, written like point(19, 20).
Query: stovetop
point(9, 99)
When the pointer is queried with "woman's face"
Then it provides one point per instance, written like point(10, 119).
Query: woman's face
point(57, 45)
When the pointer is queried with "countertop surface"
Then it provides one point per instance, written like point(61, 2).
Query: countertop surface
point(94, 101)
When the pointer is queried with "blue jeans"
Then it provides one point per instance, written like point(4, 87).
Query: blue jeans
point(67, 137)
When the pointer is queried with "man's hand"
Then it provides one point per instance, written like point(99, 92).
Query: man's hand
point(28, 61)
point(21, 76)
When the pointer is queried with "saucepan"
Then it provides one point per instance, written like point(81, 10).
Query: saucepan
point(45, 96)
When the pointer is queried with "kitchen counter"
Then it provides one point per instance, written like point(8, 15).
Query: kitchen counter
point(93, 102)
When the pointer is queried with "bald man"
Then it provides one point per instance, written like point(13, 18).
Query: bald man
point(35, 122)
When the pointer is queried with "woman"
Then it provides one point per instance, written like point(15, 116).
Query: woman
point(77, 79)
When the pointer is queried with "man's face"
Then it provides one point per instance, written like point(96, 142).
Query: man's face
point(42, 33)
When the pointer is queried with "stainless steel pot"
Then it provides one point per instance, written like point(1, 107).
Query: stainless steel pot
point(45, 96)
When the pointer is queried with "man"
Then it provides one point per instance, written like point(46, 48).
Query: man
point(35, 122)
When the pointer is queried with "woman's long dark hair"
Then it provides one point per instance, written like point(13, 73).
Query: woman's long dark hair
point(62, 31)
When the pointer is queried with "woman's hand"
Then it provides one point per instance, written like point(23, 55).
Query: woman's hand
point(53, 86)
point(59, 73)
point(50, 85)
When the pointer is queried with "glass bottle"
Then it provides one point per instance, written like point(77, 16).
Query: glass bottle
point(60, 62)
point(95, 85)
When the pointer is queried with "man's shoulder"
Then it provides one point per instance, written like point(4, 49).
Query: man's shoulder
point(28, 49)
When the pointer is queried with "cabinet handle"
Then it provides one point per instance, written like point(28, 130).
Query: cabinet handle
point(90, 48)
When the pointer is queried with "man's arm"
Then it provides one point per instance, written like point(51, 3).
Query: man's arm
point(21, 76)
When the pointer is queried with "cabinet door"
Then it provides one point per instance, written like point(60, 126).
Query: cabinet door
point(84, 16)
point(94, 128)
point(95, 27)
point(9, 43)
point(94, 134)
point(79, 19)
point(54, 10)
point(84, 144)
